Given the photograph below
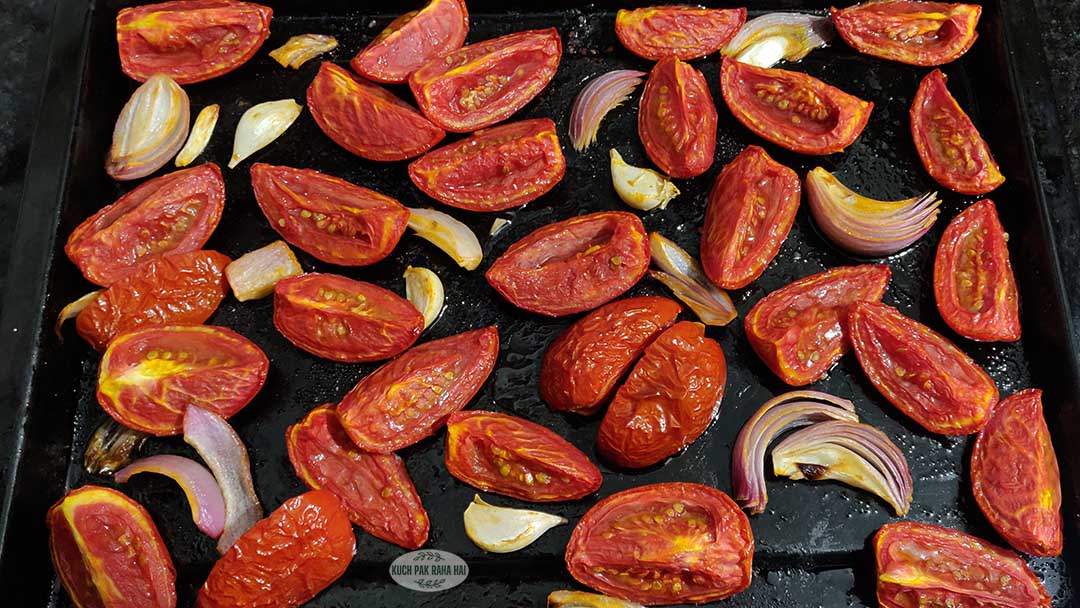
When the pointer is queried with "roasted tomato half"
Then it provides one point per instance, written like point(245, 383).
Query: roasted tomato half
point(108, 552)
point(665, 543)
point(1015, 477)
point(919, 371)
point(412, 40)
point(374, 489)
point(328, 217)
point(495, 169)
point(682, 32)
point(948, 143)
point(926, 565)
point(484, 83)
point(410, 397)
point(800, 330)
point(677, 119)
point(791, 109)
point(337, 318)
point(581, 366)
point(751, 209)
point(366, 119)
point(190, 40)
point(573, 265)
point(508, 455)
point(285, 559)
point(919, 33)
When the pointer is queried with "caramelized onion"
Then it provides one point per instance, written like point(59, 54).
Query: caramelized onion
point(602, 95)
point(200, 487)
point(447, 234)
point(111, 447)
point(682, 274)
point(150, 130)
point(767, 39)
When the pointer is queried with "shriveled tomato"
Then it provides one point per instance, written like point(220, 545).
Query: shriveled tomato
point(508, 455)
point(410, 397)
point(581, 367)
point(919, 371)
point(664, 543)
point(337, 318)
point(948, 143)
point(926, 565)
point(791, 109)
point(412, 40)
point(495, 169)
point(682, 32)
point(484, 83)
point(573, 265)
point(800, 330)
point(172, 213)
point(1015, 476)
point(751, 209)
point(180, 288)
point(285, 559)
point(374, 489)
point(918, 33)
point(677, 119)
point(328, 217)
point(190, 40)
point(366, 119)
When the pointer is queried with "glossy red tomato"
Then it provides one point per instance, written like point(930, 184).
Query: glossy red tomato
point(190, 40)
point(412, 40)
point(926, 565)
point(677, 119)
point(800, 330)
point(661, 544)
point(919, 371)
point(581, 367)
point(791, 109)
point(495, 169)
point(172, 213)
point(508, 455)
point(919, 33)
point(682, 32)
point(484, 83)
point(573, 265)
point(751, 209)
point(285, 559)
point(948, 143)
point(410, 397)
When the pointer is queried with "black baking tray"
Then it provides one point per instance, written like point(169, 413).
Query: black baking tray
point(812, 542)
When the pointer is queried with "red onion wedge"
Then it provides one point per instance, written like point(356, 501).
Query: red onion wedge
point(110, 447)
point(203, 493)
point(767, 39)
point(787, 411)
point(150, 130)
point(602, 95)
point(682, 274)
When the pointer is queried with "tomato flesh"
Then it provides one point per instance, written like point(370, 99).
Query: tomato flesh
point(917, 33)
point(677, 119)
point(682, 32)
point(412, 40)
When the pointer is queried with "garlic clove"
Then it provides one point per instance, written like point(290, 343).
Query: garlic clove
point(448, 234)
point(425, 290)
point(298, 50)
point(261, 125)
point(581, 599)
point(200, 135)
point(504, 530)
point(642, 189)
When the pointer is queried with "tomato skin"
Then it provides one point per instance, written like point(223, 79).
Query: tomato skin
point(485, 83)
point(573, 265)
point(693, 536)
point(581, 367)
point(737, 241)
point(495, 169)
point(682, 32)
point(285, 559)
point(800, 330)
point(173, 38)
point(677, 119)
point(433, 380)
point(919, 371)
point(375, 490)
point(822, 128)
point(412, 40)
point(511, 456)
point(916, 33)
point(1001, 579)
point(108, 552)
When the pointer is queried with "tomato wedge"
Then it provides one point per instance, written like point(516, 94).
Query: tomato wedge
point(751, 209)
point(366, 119)
point(174, 213)
point(800, 330)
point(682, 32)
point(328, 217)
point(484, 83)
point(919, 371)
point(573, 265)
point(412, 40)
point(190, 40)
point(917, 33)
point(948, 143)
point(495, 169)
point(791, 109)
point(410, 397)
point(508, 455)
point(677, 119)
point(664, 543)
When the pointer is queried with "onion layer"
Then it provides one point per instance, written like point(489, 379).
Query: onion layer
point(767, 39)
point(203, 494)
point(150, 130)
point(682, 274)
point(260, 126)
point(110, 447)
point(73, 309)
point(447, 234)
point(254, 274)
point(602, 95)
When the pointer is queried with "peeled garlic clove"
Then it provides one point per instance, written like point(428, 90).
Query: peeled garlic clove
point(298, 50)
point(254, 274)
point(640, 188)
point(73, 309)
point(150, 130)
point(424, 289)
point(504, 530)
point(580, 599)
point(447, 234)
point(200, 135)
point(261, 125)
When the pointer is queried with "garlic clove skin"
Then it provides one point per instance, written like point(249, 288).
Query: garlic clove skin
point(261, 125)
point(642, 189)
point(425, 290)
point(505, 530)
